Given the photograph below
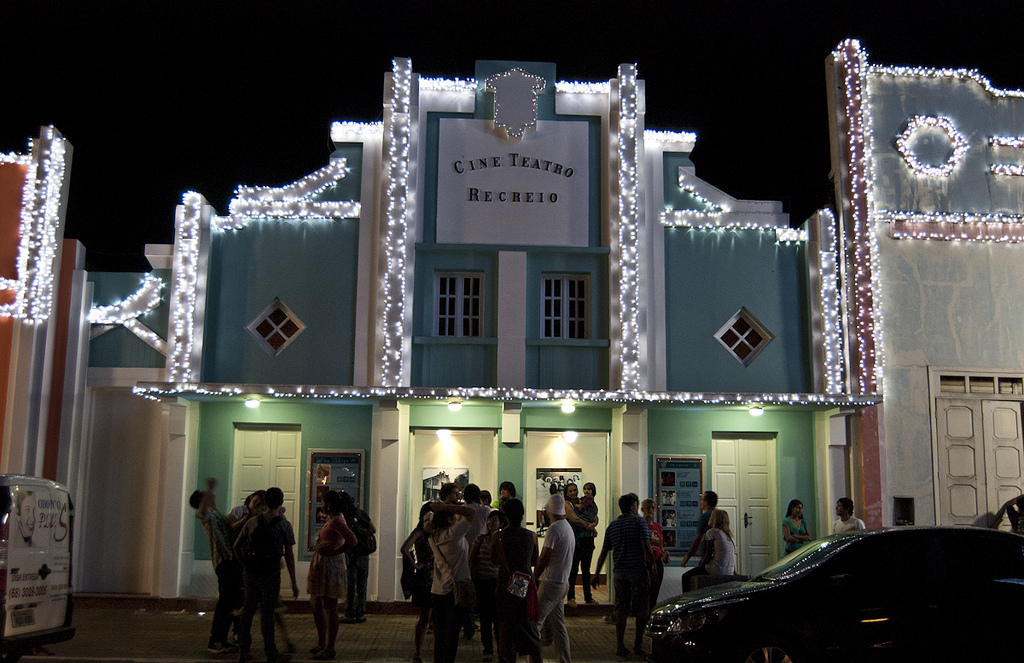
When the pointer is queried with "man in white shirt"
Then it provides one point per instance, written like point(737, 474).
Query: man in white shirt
point(847, 522)
point(552, 571)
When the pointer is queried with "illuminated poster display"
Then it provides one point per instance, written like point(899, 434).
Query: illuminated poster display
point(679, 481)
point(331, 469)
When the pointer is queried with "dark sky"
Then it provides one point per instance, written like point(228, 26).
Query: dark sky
point(163, 97)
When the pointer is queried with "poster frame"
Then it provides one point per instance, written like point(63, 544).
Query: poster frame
point(311, 481)
point(680, 547)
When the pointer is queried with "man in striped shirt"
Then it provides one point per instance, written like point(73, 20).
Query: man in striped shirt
point(629, 540)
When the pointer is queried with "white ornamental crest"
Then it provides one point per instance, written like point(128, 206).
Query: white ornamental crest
point(515, 100)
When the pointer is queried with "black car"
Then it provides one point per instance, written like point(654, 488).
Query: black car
point(907, 594)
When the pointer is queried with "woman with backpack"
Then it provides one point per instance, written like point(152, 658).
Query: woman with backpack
point(328, 576)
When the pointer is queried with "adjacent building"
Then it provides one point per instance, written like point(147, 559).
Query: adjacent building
point(929, 168)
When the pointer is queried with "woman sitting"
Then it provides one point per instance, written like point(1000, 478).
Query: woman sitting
point(719, 540)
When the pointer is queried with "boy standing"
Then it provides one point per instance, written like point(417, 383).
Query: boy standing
point(260, 545)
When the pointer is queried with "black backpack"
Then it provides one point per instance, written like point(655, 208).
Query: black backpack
point(367, 542)
point(266, 547)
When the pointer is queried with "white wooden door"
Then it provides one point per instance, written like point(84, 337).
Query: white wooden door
point(960, 460)
point(744, 478)
point(1003, 453)
point(264, 458)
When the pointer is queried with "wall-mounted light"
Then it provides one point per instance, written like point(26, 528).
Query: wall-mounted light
point(755, 410)
point(455, 405)
point(570, 436)
point(252, 403)
point(444, 433)
point(568, 406)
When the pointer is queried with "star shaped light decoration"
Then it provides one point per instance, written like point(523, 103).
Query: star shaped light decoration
point(515, 100)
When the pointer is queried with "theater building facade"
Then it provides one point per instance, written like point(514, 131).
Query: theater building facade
point(510, 277)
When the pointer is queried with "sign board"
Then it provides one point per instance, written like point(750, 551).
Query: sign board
point(331, 469)
point(493, 190)
point(679, 482)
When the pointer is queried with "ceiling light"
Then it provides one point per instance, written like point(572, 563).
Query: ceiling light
point(568, 407)
point(455, 405)
point(755, 410)
point(570, 436)
point(444, 433)
point(252, 403)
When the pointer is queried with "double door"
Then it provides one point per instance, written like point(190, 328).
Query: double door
point(744, 478)
point(978, 458)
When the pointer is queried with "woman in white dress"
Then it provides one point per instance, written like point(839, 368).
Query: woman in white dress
point(719, 539)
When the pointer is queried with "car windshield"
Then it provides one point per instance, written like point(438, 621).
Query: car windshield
point(805, 557)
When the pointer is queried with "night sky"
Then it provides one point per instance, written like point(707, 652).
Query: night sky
point(163, 97)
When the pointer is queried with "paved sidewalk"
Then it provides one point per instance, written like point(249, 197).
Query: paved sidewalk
point(127, 630)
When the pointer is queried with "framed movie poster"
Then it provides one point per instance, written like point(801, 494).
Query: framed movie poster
point(331, 469)
point(551, 481)
point(435, 477)
point(678, 483)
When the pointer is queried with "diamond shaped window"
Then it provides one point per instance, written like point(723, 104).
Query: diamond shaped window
point(744, 336)
point(275, 328)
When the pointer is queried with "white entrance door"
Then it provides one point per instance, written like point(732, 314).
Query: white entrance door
point(266, 457)
point(979, 458)
point(1003, 451)
point(744, 478)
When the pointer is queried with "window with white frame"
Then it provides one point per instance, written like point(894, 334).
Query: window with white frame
point(744, 336)
point(564, 306)
point(460, 304)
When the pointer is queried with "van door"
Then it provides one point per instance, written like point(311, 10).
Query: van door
point(38, 538)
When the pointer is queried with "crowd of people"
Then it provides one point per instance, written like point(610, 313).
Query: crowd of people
point(467, 558)
point(247, 547)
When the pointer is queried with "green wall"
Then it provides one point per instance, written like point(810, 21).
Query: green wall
point(689, 431)
point(324, 426)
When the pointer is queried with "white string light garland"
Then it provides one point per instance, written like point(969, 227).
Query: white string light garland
point(627, 227)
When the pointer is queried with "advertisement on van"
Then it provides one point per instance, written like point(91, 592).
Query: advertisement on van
point(38, 558)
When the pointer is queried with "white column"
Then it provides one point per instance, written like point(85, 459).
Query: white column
point(512, 302)
point(389, 478)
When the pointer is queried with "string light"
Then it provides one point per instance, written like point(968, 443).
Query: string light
point(686, 140)
point(521, 82)
point(143, 300)
point(342, 132)
point(924, 122)
point(158, 390)
point(934, 72)
point(291, 201)
point(40, 220)
point(1006, 168)
point(184, 299)
point(625, 248)
point(578, 87)
point(397, 125)
point(832, 330)
point(865, 287)
point(447, 84)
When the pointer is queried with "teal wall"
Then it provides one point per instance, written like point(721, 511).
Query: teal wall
point(454, 361)
point(709, 275)
point(689, 431)
point(119, 348)
point(324, 426)
point(568, 363)
point(312, 267)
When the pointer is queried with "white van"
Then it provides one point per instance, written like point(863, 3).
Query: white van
point(36, 517)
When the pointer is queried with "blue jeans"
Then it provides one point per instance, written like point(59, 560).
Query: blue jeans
point(358, 573)
point(261, 591)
